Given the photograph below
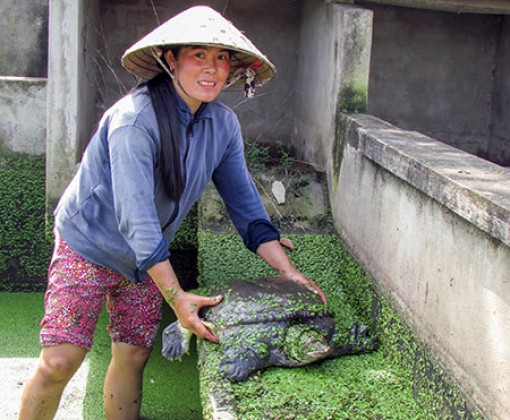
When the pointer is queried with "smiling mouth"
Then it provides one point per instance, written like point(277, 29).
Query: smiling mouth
point(207, 84)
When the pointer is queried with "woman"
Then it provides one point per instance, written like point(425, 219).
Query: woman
point(153, 154)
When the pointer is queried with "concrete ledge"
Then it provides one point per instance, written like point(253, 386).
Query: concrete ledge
point(456, 6)
point(475, 189)
point(430, 224)
point(23, 114)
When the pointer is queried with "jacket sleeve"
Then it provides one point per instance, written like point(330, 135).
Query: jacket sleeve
point(133, 156)
point(237, 189)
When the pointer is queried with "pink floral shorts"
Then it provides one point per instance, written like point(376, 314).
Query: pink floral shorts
point(77, 290)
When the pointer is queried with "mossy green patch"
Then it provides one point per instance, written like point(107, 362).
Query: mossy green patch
point(26, 237)
point(21, 314)
point(170, 390)
point(351, 99)
point(186, 236)
point(25, 250)
point(362, 386)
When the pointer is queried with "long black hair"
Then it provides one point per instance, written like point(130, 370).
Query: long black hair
point(163, 93)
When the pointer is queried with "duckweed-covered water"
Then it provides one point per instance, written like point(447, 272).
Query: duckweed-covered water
point(395, 382)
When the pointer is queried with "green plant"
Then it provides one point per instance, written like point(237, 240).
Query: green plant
point(256, 155)
point(285, 159)
point(25, 248)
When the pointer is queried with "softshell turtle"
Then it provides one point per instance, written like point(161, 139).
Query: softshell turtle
point(268, 322)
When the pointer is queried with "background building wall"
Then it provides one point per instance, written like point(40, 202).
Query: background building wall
point(443, 74)
point(499, 147)
point(23, 69)
point(24, 34)
point(272, 26)
point(23, 115)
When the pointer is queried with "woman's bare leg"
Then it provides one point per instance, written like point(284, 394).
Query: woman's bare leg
point(123, 383)
point(43, 391)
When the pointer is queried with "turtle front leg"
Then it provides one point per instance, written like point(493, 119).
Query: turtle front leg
point(176, 341)
point(238, 362)
point(245, 350)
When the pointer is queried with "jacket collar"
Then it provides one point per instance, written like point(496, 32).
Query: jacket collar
point(184, 113)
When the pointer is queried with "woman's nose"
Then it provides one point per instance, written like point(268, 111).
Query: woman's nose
point(210, 64)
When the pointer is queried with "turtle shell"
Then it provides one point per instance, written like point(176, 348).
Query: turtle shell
point(261, 301)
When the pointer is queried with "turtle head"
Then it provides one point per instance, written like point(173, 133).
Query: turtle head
point(305, 344)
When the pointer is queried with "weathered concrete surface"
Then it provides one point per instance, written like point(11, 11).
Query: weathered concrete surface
point(23, 114)
point(457, 6)
point(334, 56)
point(272, 26)
point(431, 225)
point(23, 52)
point(443, 74)
point(70, 101)
point(305, 211)
point(499, 146)
point(24, 35)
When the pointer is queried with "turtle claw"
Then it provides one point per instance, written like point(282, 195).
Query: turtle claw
point(176, 341)
point(234, 371)
point(240, 363)
point(360, 341)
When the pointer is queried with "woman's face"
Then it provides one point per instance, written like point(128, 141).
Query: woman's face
point(200, 73)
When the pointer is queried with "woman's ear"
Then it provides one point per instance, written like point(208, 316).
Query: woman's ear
point(170, 59)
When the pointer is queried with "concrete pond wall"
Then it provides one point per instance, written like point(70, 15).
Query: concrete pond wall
point(433, 231)
point(429, 222)
point(23, 114)
point(445, 75)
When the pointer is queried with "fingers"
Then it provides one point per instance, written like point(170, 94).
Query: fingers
point(309, 284)
point(187, 311)
point(206, 334)
point(287, 243)
point(211, 301)
point(203, 330)
point(197, 327)
point(323, 297)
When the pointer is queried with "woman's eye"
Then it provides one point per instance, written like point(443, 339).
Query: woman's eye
point(223, 57)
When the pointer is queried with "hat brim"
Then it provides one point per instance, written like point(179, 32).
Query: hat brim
point(141, 62)
point(198, 25)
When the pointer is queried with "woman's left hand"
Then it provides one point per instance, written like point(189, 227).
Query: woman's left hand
point(274, 255)
point(300, 278)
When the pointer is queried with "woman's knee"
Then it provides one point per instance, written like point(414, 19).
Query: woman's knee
point(129, 355)
point(58, 364)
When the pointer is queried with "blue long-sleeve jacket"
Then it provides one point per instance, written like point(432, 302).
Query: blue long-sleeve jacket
point(115, 212)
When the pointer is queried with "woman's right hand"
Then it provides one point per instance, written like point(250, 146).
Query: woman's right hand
point(187, 306)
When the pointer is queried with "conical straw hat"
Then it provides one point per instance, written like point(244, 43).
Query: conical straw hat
point(198, 25)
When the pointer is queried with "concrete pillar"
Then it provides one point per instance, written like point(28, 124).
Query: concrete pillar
point(333, 69)
point(65, 64)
